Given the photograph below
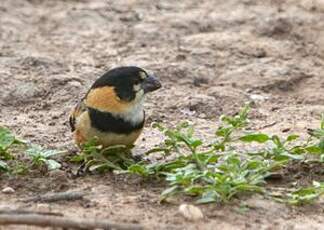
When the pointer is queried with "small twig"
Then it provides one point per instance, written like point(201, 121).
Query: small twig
point(268, 125)
point(63, 222)
point(280, 189)
point(53, 197)
point(24, 212)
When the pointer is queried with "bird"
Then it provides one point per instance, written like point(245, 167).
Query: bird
point(112, 111)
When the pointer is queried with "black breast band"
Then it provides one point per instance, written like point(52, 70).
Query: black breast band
point(106, 122)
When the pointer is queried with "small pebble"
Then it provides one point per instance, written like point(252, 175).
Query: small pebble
point(202, 116)
point(75, 84)
point(8, 190)
point(190, 212)
point(258, 97)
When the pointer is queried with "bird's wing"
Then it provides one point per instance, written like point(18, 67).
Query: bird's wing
point(76, 112)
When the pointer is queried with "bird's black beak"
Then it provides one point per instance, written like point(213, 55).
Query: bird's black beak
point(151, 83)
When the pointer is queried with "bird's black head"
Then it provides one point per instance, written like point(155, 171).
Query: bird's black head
point(129, 82)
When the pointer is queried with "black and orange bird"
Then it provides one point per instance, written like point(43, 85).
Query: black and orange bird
point(112, 111)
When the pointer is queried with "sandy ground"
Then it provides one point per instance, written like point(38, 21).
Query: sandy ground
point(211, 56)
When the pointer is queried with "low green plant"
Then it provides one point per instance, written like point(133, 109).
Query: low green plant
point(216, 170)
point(41, 157)
point(299, 196)
point(7, 140)
point(226, 168)
point(96, 158)
point(213, 172)
point(317, 148)
point(18, 156)
point(236, 161)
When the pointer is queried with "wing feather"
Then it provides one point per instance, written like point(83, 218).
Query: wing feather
point(75, 113)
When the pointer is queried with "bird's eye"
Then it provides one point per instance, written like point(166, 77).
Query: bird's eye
point(137, 81)
point(142, 75)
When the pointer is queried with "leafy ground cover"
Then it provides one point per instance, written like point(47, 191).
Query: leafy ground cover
point(228, 166)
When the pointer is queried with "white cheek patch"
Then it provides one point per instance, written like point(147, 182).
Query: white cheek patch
point(140, 94)
point(136, 114)
point(137, 87)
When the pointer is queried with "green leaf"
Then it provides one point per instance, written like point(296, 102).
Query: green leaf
point(318, 133)
point(34, 150)
point(194, 190)
point(276, 140)
point(208, 197)
point(6, 138)
point(253, 164)
point(255, 137)
point(3, 166)
point(222, 132)
point(293, 156)
point(77, 158)
point(313, 149)
point(52, 164)
point(170, 191)
point(321, 146)
point(237, 121)
point(298, 150)
point(49, 153)
point(196, 143)
point(138, 169)
point(292, 137)
point(39, 151)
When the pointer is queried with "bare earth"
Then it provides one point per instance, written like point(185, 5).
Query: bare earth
point(211, 56)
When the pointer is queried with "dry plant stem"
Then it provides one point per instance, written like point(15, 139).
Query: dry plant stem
point(29, 212)
point(63, 222)
point(53, 197)
point(267, 125)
